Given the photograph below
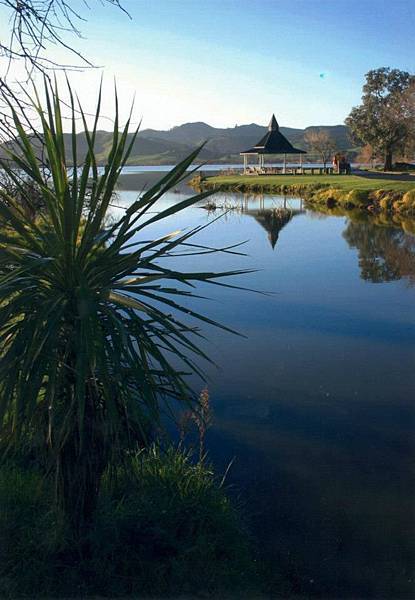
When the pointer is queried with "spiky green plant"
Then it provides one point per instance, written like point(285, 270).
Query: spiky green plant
point(85, 346)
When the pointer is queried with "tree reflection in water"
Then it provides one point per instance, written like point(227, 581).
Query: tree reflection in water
point(385, 253)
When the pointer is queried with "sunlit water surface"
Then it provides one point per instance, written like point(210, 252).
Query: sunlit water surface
point(316, 404)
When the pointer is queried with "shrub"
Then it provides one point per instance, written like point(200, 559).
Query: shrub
point(386, 199)
point(92, 319)
point(328, 196)
point(386, 203)
point(398, 205)
point(358, 197)
point(409, 199)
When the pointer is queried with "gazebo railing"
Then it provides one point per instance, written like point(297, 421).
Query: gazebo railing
point(287, 170)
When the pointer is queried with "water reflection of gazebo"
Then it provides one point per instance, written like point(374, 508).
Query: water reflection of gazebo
point(273, 143)
point(273, 220)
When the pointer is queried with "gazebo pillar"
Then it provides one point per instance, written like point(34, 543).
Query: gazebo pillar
point(285, 164)
point(245, 163)
point(301, 164)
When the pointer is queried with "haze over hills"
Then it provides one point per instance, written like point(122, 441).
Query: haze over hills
point(224, 145)
point(154, 147)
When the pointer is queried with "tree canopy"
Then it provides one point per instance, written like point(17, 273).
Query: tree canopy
point(386, 117)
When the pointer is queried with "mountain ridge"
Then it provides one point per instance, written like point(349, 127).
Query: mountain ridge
point(223, 145)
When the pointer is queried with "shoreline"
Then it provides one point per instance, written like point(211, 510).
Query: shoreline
point(350, 192)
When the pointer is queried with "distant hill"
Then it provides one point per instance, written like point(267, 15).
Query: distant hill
point(154, 147)
point(227, 143)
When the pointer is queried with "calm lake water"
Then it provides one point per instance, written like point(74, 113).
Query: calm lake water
point(316, 404)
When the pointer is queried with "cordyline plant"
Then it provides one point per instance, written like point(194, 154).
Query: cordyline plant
point(86, 346)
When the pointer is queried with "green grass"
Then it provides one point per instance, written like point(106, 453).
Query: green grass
point(164, 527)
point(344, 182)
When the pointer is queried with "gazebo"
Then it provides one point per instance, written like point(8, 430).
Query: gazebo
point(274, 143)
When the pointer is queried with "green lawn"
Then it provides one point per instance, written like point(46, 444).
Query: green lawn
point(346, 182)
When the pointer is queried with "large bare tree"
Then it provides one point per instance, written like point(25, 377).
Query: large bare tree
point(321, 142)
point(35, 25)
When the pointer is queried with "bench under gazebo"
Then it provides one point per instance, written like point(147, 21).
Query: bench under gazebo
point(273, 143)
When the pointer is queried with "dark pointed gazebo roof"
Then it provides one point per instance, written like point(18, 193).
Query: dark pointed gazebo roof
point(273, 142)
point(273, 221)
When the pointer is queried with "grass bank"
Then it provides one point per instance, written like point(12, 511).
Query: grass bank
point(350, 191)
point(164, 527)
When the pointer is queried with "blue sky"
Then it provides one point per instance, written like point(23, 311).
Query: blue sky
point(230, 62)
